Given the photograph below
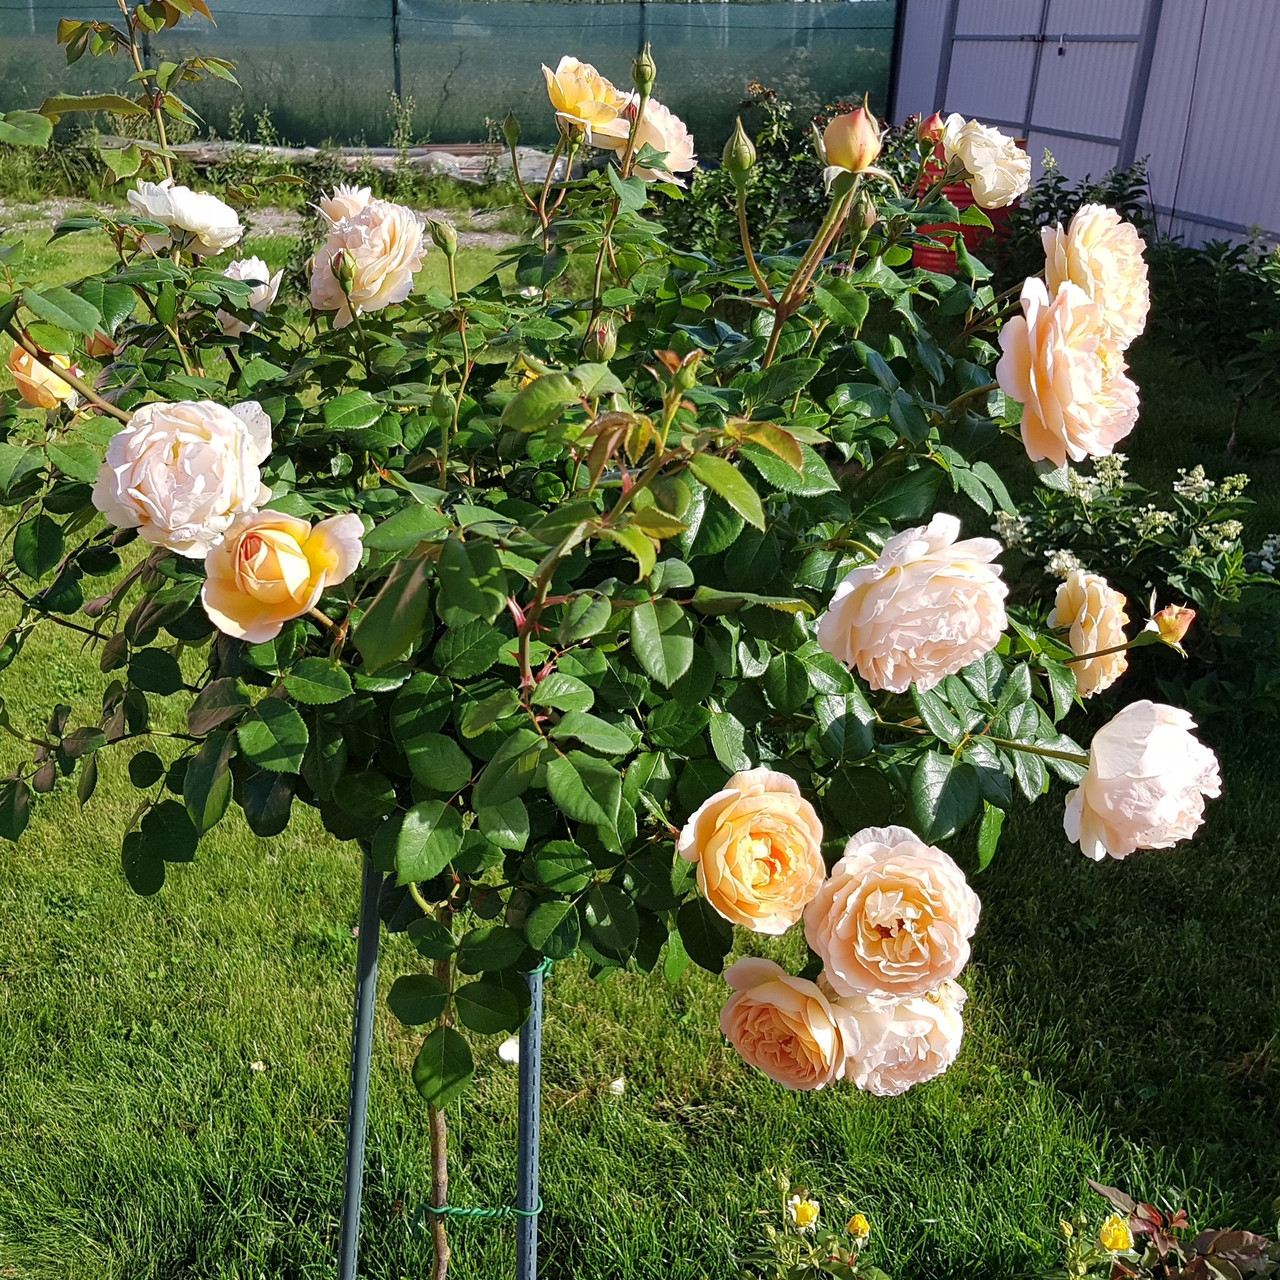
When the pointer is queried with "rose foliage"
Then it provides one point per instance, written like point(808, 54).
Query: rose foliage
point(624, 598)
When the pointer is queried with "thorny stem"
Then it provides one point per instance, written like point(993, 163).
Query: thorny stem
point(1050, 753)
point(541, 207)
point(440, 1134)
point(156, 96)
point(972, 394)
point(76, 383)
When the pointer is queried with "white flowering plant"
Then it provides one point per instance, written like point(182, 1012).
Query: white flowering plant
point(616, 602)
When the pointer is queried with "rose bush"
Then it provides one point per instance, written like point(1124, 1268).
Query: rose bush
point(604, 609)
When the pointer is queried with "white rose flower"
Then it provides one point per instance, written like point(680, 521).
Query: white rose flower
point(998, 170)
point(385, 244)
point(181, 473)
point(260, 297)
point(347, 201)
point(196, 220)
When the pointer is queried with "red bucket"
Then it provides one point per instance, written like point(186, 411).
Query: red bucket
point(943, 261)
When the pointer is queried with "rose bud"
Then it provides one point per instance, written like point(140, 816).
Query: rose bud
point(852, 142)
point(601, 340)
point(739, 156)
point(930, 130)
point(511, 129)
point(99, 346)
point(1172, 623)
point(644, 71)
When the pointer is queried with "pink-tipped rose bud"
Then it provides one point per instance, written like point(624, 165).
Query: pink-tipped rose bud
point(1173, 622)
point(99, 346)
point(931, 129)
point(852, 142)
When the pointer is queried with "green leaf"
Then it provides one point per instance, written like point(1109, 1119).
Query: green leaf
point(593, 732)
point(612, 923)
point(62, 103)
point(845, 721)
point(143, 867)
point(416, 998)
point(169, 832)
point(563, 693)
point(489, 948)
point(318, 681)
point(631, 192)
point(155, 671)
point(274, 736)
point(266, 799)
point(1062, 686)
point(25, 129)
point(813, 479)
point(219, 701)
point(540, 403)
point(721, 476)
point(944, 795)
point(38, 546)
point(841, 302)
point(395, 618)
point(63, 308)
point(471, 577)
point(438, 763)
point(638, 543)
point(555, 929)
point(145, 769)
point(777, 384)
point(443, 1067)
point(707, 938)
point(15, 808)
point(510, 770)
point(506, 825)
point(937, 716)
point(662, 638)
point(586, 789)
point(860, 797)
point(469, 650)
point(79, 461)
point(353, 411)
point(563, 867)
point(405, 529)
point(989, 833)
point(484, 714)
point(429, 838)
point(486, 1008)
point(786, 683)
point(206, 785)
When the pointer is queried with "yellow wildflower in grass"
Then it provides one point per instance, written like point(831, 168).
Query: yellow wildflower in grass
point(859, 1228)
point(803, 1212)
point(1114, 1235)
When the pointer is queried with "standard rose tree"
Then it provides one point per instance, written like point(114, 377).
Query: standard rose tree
point(623, 601)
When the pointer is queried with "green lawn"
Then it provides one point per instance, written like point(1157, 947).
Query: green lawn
point(172, 1070)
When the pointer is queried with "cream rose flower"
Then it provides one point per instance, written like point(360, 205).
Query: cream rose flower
point(37, 382)
point(1094, 612)
point(346, 201)
point(1077, 400)
point(758, 846)
point(894, 919)
point(898, 1044)
point(1146, 784)
point(181, 473)
point(998, 170)
point(384, 241)
point(260, 297)
point(196, 220)
point(662, 130)
point(581, 96)
point(928, 606)
point(783, 1026)
point(1102, 254)
point(272, 567)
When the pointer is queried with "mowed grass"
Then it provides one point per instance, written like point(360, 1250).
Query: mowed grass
point(173, 1069)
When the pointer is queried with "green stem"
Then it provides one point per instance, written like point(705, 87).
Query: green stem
point(745, 233)
point(77, 384)
point(1075, 757)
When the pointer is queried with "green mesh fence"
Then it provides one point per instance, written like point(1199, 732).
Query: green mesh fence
point(325, 68)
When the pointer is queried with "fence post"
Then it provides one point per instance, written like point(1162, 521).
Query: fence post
point(361, 1048)
point(527, 1201)
point(395, 46)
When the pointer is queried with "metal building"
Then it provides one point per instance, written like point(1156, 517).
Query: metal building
point(1189, 84)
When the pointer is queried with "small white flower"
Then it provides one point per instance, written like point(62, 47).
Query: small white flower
point(509, 1050)
point(619, 1086)
point(1193, 484)
point(1062, 563)
point(257, 1066)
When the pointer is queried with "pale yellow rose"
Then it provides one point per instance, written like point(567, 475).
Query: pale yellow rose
point(266, 287)
point(1146, 784)
point(758, 846)
point(1094, 612)
point(346, 201)
point(1102, 254)
point(36, 380)
point(928, 606)
point(898, 1044)
point(384, 244)
point(181, 473)
point(1077, 400)
point(850, 144)
point(272, 567)
point(894, 919)
point(1114, 1235)
point(581, 97)
point(997, 169)
point(662, 130)
point(782, 1026)
point(803, 1212)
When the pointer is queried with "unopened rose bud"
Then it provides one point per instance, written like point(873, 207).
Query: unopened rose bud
point(343, 266)
point(1172, 623)
point(865, 213)
point(930, 130)
point(511, 129)
point(739, 156)
point(444, 234)
point(686, 376)
point(99, 346)
point(859, 1228)
point(644, 71)
point(852, 142)
point(602, 339)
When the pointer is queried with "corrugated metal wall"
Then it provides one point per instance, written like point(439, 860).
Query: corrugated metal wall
point(1190, 84)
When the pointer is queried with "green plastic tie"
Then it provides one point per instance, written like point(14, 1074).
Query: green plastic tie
point(475, 1215)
